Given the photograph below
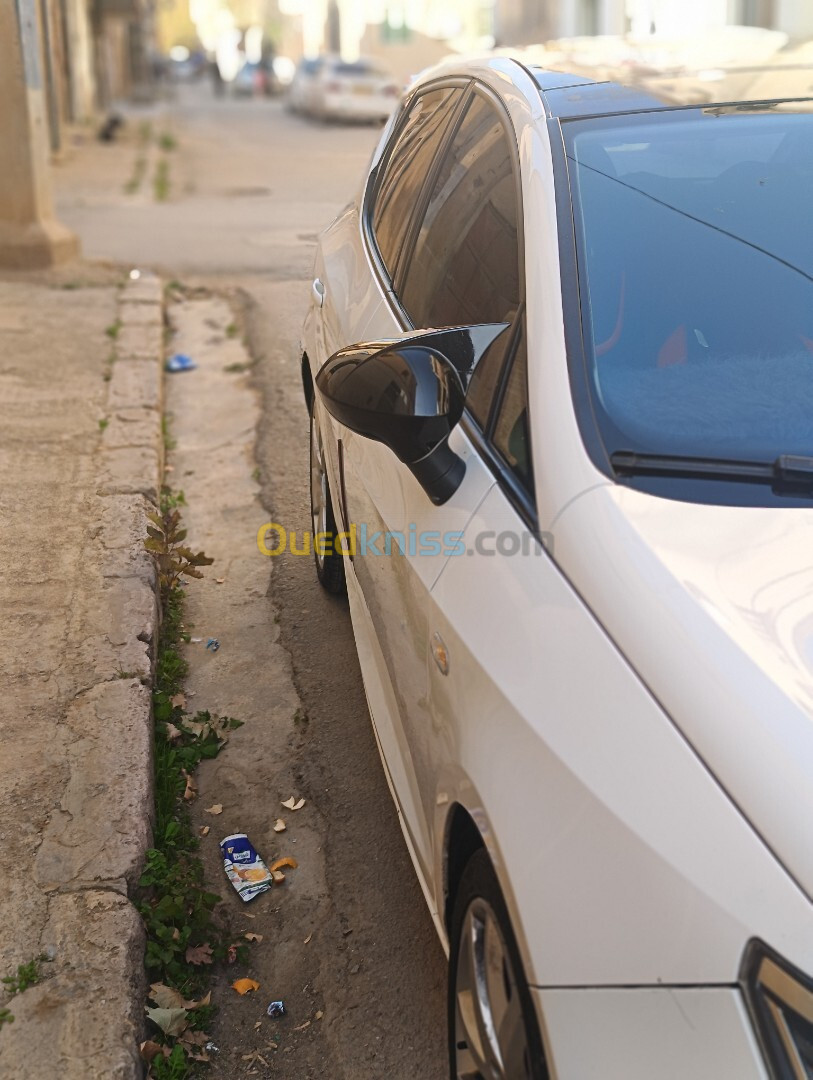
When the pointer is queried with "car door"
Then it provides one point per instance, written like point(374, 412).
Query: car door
point(458, 263)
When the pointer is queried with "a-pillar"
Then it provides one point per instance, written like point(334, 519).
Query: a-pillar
point(30, 236)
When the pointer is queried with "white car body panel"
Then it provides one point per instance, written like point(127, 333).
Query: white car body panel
point(643, 1033)
point(598, 783)
point(731, 590)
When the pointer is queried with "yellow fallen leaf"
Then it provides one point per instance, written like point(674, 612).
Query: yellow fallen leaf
point(286, 860)
point(253, 937)
point(216, 809)
point(204, 830)
point(279, 825)
point(293, 803)
point(307, 939)
point(244, 986)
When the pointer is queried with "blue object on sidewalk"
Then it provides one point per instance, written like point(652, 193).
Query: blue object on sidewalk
point(180, 362)
point(213, 644)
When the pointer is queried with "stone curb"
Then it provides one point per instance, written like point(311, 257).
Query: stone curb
point(129, 482)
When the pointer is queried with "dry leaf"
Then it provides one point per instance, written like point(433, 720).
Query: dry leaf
point(259, 1024)
point(307, 939)
point(216, 809)
point(243, 986)
point(231, 956)
point(178, 700)
point(172, 732)
point(220, 580)
point(278, 876)
point(201, 1004)
point(246, 915)
point(199, 954)
point(170, 1021)
point(166, 998)
point(204, 830)
point(198, 1055)
point(253, 937)
point(293, 803)
point(150, 1049)
point(176, 933)
point(286, 860)
point(191, 789)
point(318, 1014)
point(302, 1027)
point(279, 825)
point(195, 1038)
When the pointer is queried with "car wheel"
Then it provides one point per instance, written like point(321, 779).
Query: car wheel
point(329, 565)
point(493, 1032)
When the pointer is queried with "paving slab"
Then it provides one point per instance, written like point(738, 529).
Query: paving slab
point(77, 644)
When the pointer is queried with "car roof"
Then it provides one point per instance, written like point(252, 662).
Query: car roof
point(584, 77)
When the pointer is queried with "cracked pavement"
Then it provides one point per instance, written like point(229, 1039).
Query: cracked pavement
point(76, 638)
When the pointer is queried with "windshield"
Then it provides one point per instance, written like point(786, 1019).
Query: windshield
point(695, 244)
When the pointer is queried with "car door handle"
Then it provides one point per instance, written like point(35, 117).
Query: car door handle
point(318, 291)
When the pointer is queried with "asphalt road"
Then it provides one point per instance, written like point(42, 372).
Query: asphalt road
point(250, 187)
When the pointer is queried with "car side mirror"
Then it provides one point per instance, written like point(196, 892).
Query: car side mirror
point(409, 394)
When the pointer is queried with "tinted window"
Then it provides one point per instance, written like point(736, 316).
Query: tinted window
point(512, 432)
point(465, 266)
point(696, 258)
point(405, 171)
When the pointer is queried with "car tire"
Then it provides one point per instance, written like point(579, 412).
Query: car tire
point(493, 1030)
point(330, 565)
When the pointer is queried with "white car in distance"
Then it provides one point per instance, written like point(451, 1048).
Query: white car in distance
point(559, 369)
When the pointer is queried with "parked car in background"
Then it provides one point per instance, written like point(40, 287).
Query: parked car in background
point(303, 93)
point(361, 90)
point(250, 80)
point(559, 370)
point(329, 88)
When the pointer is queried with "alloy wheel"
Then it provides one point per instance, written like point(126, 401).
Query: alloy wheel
point(490, 1038)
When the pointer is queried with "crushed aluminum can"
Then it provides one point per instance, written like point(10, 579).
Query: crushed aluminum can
point(276, 1008)
point(244, 868)
point(213, 644)
point(210, 1046)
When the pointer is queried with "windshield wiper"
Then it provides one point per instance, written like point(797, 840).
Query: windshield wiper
point(788, 470)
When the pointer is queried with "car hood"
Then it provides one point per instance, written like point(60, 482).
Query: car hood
point(713, 608)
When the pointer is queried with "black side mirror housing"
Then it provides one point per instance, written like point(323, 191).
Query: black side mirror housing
point(409, 394)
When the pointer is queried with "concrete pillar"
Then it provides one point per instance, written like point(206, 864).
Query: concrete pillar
point(30, 236)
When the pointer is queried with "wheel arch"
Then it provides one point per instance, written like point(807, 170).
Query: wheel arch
point(463, 838)
point(307, 381)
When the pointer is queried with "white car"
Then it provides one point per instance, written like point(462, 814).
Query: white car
point(358, 90)
point(303, 94)
point(588, 655)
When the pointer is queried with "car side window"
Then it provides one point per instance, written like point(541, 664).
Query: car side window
point(512, 436)
point(465, 265)
point(417, 143)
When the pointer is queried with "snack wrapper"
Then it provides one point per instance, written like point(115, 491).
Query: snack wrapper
point(244, 867)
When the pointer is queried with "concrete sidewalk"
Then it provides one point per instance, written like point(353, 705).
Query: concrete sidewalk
point(80, 457)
